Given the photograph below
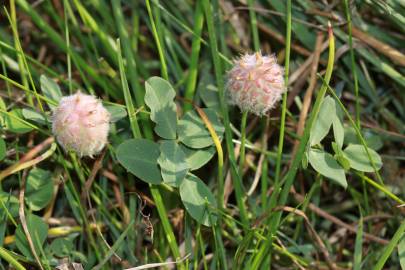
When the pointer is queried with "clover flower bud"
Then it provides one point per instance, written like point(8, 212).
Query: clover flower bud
point(81, 123)
point(255, 83)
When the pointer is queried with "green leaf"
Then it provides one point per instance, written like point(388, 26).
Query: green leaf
point(34, 116)
point(401, 252)
point(14, 124)
point(322, 124)
point(159, 97)
point(2, 115)
point(139, 156)
point(39, 189)
point(325, 164)
point(38, 231)
point(193, 132)
point(51, 90)
point(196, 158)
point(359, 160)
point(116, 112)
point(338, 131)
point(209, 94)
point(372, 140)
point(173, 164)
point(62, 247)
point(198, 199)
point(10, 202)
point(3, 149)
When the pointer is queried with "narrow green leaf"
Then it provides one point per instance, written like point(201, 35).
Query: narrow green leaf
point(401, 252)
point(193, 132)
point(399, 234)
point(159, 97)
point(2, 116)
point(324, 120)
point(3, 149)
point(359, 160)
point(51, 90)
point(325, 164)
point(358, 247)
point(139, 157)
point(198, 199)
point(173, 164)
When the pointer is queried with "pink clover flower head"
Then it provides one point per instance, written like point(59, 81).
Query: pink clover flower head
point(255, 83)
point(81, 123)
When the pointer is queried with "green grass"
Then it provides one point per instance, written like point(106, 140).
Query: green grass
point(110, 48)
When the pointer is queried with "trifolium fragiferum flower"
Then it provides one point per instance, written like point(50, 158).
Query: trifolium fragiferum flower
point(255, 83)
point(81, 123)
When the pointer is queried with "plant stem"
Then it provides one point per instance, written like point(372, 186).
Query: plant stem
point(127, 95)
point(13, 23)
point(253, 25)
point(224, 109)
point(162, 58)
point(264, 183)
point(381, 188)
point(67, 38)
point(284, 105)
point(242, 143)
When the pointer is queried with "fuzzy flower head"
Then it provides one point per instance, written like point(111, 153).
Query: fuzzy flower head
point(81, 123)
point(255, 83)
